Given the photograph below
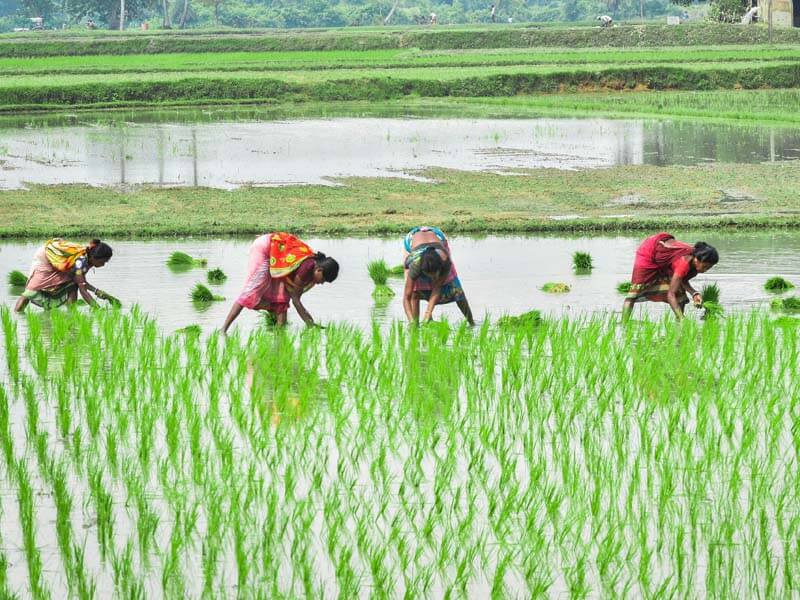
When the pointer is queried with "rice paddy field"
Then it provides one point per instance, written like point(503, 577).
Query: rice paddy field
point(548, 452)
point(568, 457)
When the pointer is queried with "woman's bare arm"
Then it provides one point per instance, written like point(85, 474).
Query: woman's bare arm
point(675, 288)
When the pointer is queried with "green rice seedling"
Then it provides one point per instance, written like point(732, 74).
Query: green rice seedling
point(778, 285)
point(582, 262)
point(397, 271)
point(216, 276)
point(190, 330)
point(180, 261)
point(17, 279)
point(202, 294)
point(555, 288)
point(624, 287)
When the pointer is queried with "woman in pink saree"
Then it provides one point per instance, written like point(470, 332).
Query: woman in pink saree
point(281, 269)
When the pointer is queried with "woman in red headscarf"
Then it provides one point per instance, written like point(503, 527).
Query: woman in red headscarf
point(662, 270)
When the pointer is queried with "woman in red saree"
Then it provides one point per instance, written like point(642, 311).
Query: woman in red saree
point(662, 270)
point(281, 269)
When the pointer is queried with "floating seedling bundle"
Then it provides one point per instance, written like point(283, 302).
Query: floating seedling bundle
point(216, 276)
point(582, 262)
point(201, 293)
point(576, 459)
point(778, 285)
point(179, 261)
point(555, 288)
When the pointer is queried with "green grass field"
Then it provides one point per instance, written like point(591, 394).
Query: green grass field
point(460, 201)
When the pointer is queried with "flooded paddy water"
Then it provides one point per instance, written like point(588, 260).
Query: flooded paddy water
point(228, 154)
point(501, 274)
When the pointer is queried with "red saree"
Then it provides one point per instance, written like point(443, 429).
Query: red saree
point(658, 258)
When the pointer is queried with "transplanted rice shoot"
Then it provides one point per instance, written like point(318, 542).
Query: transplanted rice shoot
point(582, 262)
point(778, 285)
point(216, 276)
point(17, 279)
point(555, 288)
point(379, 273)
point(624, 287)
point(576, 458)
point(181, 260)
point(201, 293)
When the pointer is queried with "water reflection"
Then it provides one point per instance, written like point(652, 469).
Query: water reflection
point(230, 154)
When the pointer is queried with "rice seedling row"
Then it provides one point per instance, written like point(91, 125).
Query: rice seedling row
point(535, 457)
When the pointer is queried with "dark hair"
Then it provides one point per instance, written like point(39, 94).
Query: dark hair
point(705, 253)
point(330, 268)
point(100, 250)
point(432, 262)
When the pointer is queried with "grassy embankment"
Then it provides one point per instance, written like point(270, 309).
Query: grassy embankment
point(377, 82)
point(381, 65)
point(629, 197)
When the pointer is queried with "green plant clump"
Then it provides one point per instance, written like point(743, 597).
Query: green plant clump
point(582, 262)
point(216, 276)
point(397, 271)
point(378, 271)
point(382, 291)
point(555, 288)
point(710, 293)
point(532, 318)
point(778, 285)
point(790, 304)
point(183, 260)
point(17, 279)
point(201, 293)
point(624, 287)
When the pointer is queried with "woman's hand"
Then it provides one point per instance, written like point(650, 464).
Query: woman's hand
point(697, 298)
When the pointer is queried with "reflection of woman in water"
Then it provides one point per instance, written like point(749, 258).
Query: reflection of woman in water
point(281, 268)
point(431, 274)
point(58, 274)
point(662, 270)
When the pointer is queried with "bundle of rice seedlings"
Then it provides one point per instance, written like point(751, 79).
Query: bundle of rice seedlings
point(190, 330)
point(17, 279)
point(582, 262)
point(777, 285)
point(180, 260)
point(201, 293)
point(216, 276)
point(712, 310)
point(555, 288)
point(532, 318)
point(397, 271)
point(378, 271)
point(624, 287)
point(710, 293)
point(790, 304)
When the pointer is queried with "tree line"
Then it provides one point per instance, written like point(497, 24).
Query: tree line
point(314, 13)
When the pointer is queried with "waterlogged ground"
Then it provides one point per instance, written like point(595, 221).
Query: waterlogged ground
point(573, 459)
point(500, 275)
point(230, 154)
